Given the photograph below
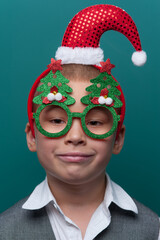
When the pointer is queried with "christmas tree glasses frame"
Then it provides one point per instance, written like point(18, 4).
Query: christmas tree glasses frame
point(54, 92)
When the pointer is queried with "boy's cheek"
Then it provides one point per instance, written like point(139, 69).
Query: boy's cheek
point(105, 146)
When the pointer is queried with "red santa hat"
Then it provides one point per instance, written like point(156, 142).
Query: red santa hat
point(80, 43)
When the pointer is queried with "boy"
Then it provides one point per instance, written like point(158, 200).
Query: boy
point(74, 126)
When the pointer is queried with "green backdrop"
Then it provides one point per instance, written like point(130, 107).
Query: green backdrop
point(31, 31)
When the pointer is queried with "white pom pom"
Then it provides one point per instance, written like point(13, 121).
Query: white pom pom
point(109, 101)
point(139, 58)
point(51, 96)
point(58, 96)
point(101, 100)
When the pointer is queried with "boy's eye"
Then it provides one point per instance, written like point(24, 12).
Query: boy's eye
point(99, 120)
point(53, 119)
point(94, 123)
point(57, 121)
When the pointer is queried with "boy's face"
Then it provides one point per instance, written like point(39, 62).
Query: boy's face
point(74, 158)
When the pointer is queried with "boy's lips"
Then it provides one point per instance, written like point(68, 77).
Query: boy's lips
point(75, 157)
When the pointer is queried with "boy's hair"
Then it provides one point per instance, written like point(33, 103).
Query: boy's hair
point(76, 71)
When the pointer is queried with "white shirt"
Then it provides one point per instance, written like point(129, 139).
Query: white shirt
point(64, 228)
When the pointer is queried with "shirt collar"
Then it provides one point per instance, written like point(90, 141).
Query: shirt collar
point(114, 193)
point(42, 195)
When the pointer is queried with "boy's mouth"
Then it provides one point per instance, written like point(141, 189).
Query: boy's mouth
point(75, 157)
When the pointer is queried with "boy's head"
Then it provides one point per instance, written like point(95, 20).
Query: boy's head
point(53, 89)
point(74, 155)
point(74, 124)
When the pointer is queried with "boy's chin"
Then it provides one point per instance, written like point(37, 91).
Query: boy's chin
point(75, 177)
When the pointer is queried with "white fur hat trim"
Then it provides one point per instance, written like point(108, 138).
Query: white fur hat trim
point(78, 55)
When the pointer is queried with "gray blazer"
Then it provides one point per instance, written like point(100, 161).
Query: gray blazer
point(20, 224)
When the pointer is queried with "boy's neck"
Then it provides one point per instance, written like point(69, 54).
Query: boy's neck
point(79, 202)
point(91, 192)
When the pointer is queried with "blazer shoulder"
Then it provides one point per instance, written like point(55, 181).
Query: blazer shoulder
point(142, 209)
point(12, 215)
point(14, 210)
point(19, 223)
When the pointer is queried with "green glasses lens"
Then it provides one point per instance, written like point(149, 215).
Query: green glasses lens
point(99, 120)
point(53, 119)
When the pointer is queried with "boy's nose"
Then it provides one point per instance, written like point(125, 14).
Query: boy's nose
point(76, 135)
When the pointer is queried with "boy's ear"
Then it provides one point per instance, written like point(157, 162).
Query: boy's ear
point(31, 143)
point(118, 144)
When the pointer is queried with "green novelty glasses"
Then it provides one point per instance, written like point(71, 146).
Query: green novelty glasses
point(55, 120)
point(99, 119)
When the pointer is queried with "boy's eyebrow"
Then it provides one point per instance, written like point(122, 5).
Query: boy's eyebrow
point(48, 108)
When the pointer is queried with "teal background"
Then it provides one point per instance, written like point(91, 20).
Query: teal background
point(31, 31)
